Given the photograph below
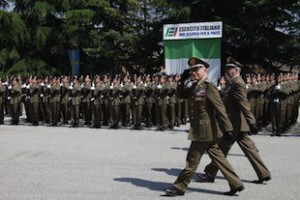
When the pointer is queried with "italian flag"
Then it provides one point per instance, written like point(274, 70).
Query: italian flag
point(192, 41)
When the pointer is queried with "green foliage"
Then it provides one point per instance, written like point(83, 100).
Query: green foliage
point(35, 36)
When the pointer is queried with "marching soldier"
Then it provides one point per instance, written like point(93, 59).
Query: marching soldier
point(44, 101)
point(178, 104)
point(105, 104)
point(243, 122)
point(205, 104)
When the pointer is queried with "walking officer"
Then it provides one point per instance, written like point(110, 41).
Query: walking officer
point(205, 103)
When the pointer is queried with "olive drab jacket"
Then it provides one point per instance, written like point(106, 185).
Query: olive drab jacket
point(237, 105)
point(208, 113)
point(75, 94)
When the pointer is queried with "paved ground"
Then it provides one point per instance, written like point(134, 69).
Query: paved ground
point(59, 163)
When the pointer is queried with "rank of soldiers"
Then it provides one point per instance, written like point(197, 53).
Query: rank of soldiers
point(135, 101)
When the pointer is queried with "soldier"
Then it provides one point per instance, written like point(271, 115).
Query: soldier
point(14, 100)
point(75, 101)
point(149, 101)
point(137, 101)
point(44, 101)
point(243, 121)
point(105, 107)
point(172, 102)
point(161, 94)
point(178, 103)
point(2, 101)
point(126, 101)
point(114, 103)
point(64, 99)
point(205, 103)
point(54, 98)
point(86, 100)
point(34, 95)
point(97, 101)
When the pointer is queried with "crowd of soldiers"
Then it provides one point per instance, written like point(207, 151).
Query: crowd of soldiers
point(135, 101)
point(274, 99)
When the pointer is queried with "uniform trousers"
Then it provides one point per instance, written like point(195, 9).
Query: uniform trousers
point(194, 155)
point(248, 147)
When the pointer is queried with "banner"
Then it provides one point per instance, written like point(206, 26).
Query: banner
point(74, 60)
point(201, 40)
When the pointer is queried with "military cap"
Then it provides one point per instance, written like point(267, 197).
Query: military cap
point(230, 62)
point(194, 63)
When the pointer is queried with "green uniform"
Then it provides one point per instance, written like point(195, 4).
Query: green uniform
point(75, 102)
point(126, 103)
point(239, 113)
point(137, 104)
point(54, 94)
point(206, 104)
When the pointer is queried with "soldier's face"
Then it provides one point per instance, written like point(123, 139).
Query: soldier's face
point(231, 72)
point(199, 73)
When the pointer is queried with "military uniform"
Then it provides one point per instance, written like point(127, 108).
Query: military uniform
point(86, 102)
point(114, 105)
point(126, 103)
point(137, 104)
point(15, 100)
point(206, 104)
point(97, 104)
point(34, 94)
point(64, 102)
point(149, 102)
point(75, 102)
point(161, 95)
point(239, 113)
point(54, 100)
point(171, 104)
point(2, 101)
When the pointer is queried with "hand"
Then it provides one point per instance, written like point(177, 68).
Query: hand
point(228, 135)
point(253, 129)
point(185, 75)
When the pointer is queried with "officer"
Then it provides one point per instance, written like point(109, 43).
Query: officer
point(205, 103)
point(243, 121)
point(178, 103)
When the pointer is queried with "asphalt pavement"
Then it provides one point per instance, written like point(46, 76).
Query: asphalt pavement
point(61, 163)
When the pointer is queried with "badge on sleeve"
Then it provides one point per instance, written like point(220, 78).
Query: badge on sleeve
point(201, 93)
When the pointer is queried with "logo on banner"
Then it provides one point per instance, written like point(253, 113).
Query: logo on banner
point(171, 32)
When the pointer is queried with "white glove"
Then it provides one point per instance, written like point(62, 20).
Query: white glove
point(145, 84)
point(42, 84)
point(93, 88)
point(28, 86)
point(42, 95)
point(159, 87)
point(122, 85)
point(134, 86)
point(70, 87)
point(49, 86)
point(111, 87)
point(61, 84)
point(9, 87)
point(23, 86)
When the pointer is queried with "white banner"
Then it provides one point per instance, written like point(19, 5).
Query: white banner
point(193, 31)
